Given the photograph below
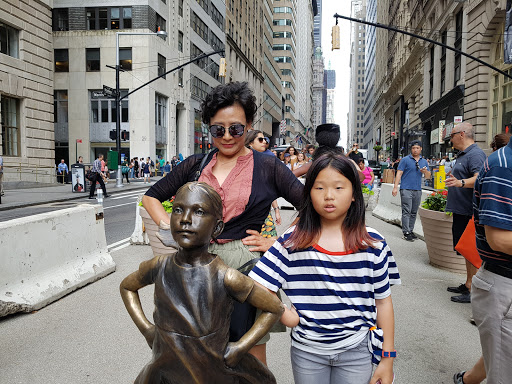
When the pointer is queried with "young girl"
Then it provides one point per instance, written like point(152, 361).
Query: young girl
point(194, 293)
point(301, 160)
point(337, 273)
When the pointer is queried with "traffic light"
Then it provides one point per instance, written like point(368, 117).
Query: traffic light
point(125, 135)
point(113, 134)
point(222, 67)
point(335, 34)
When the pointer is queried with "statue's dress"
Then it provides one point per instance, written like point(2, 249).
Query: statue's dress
point(193, 307)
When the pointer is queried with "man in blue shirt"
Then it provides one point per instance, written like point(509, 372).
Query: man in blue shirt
point(408, 175)
point(62, 172)
point(491, 293)
point(459, 182)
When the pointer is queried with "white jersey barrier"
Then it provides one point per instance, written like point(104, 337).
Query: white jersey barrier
point(49, 255)
point(389, 208)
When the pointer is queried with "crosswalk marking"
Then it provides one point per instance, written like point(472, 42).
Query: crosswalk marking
point(119, 245)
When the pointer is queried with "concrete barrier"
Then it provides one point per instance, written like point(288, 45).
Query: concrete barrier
point(46, 256)
point(389, 208)
point(139, 236)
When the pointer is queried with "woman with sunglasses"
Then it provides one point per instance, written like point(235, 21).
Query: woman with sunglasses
point(257, 141)
point(247, 181)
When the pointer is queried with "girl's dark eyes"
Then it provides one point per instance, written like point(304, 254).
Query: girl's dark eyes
point(200, 212)
point(177, 210)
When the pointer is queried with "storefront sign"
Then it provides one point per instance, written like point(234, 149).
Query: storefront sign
point(434, 136)
point(447, 131)
point(457, 119)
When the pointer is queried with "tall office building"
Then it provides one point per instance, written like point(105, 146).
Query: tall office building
point(329, 89)
point(285, 54)
point(370, 136)
point(357, 74)
point(317, 25)
point(163, 118)
point(318, 88)
point(304, 71)
point(249, 56)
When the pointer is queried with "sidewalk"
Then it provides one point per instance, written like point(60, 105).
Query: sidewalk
point(24, 197)
point(88, 337)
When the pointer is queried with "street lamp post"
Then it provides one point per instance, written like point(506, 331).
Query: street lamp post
point(119, 177)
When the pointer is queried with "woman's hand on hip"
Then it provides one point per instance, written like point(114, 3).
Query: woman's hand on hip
point(257, 242)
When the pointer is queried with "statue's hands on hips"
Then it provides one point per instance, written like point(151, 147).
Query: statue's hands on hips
point(149, 334)
point(165, 236)
point(233, 354)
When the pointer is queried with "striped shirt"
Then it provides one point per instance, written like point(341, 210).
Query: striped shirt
point(334, 293)
point(492, 202)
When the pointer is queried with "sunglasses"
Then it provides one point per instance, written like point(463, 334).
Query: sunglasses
point(454, 133)
point(235, 130)
point(263, 139)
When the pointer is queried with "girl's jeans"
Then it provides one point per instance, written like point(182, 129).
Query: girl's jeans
point(350, 367)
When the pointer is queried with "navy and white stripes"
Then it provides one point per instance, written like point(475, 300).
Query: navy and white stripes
point(333, 292)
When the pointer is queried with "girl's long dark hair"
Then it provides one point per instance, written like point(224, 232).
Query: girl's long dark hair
point(308, 226)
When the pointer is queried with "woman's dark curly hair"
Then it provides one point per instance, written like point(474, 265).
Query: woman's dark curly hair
point(226, 95)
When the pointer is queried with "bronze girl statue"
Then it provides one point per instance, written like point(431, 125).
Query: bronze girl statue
point(194, 293)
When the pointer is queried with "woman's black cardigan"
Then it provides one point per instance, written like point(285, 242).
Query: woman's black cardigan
point(271, 179)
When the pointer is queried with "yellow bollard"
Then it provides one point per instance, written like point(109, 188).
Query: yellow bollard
point(440, 177)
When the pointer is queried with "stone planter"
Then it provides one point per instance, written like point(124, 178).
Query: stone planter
point(437, 231)
point(151, 229)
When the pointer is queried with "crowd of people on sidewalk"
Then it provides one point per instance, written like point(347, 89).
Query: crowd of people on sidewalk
point(479, 189)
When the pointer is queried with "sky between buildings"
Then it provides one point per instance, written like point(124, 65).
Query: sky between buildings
point(339, 59)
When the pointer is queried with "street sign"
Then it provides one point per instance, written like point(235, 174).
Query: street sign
point(110, 92)
point(79, 141)
point(282, 126)
point(98, 94)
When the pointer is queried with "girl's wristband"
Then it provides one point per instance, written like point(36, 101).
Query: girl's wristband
point(389, 353)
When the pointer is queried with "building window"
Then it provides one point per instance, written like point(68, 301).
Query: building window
point(180, 8)
point(61, 60)
point(125, 58)
point(283, 59)
point(92, 59)
point(458, 45)
point(195, 52)
point(160, 119)
point(60, 116)
point(60, 107)
point(199, 26)
point(199, 88)
point(161, 65)
point(10, 120)
point(8, 40)
point(203, 4)
point(99, 18)
point(431, 74)
point(217, 17)
point(60, 19)
point(180, 41)
point(215, 42)
point(282, 22)
point(103, 110)
point(180, 77)
point(283, 47)
point(160, 23)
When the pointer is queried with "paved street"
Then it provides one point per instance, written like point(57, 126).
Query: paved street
point(87, 336)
